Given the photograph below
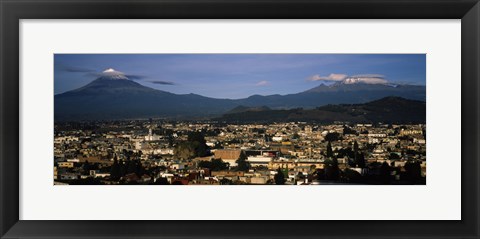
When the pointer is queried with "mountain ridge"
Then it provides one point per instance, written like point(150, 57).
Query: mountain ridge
point(114, 96)
point(386, 110)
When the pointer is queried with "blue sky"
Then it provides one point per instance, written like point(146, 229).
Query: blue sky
point(238, 75)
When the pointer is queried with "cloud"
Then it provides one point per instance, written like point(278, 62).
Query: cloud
point(93, 73)
point(75, 69)
point(262, 83)
point(159, 82)
point(361, 78)
point(368, 79)
point(369, 76)
point(130, 77)
point(135, 77)
point(331, 77)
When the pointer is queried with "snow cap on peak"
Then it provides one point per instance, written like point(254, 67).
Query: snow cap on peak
point(112, 74)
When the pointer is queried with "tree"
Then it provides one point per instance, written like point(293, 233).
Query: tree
point(332, 171)
point(335, 169)
point(300, 176)
point(161, 181)
point(214, 165)
point(332, 136)
point(361, 160)
point(279, 177)
point(385, 171)
point(329, 150)
point(355, 149)
point(199, 143)
point(225, 181)
point(218, 164)
point(413, 171)
point(115, 169)
point(86, 167)
point(123, 168)
point(184, 150)
point(352, 176)
point(242, 163)
point(394, 156)
point(195, 146)
point(348, 130)
point(131, 166)
point(139, 169)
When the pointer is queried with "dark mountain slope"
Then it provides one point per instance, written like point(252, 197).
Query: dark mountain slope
point(385, 110)
point(121, 99)
point(336, 94)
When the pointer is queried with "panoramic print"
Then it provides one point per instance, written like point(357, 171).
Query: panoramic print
point(239, 119)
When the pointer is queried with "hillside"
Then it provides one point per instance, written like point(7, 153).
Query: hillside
point(385, 110)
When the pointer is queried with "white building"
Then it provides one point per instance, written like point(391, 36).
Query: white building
point(277, 138)
point(151, 136)
point(259, 160)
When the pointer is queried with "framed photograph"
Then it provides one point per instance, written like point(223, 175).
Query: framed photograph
point(239, 119)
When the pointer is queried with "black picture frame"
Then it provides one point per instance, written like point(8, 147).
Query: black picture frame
point(12, 11)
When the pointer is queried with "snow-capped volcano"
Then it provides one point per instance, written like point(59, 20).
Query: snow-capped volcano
point(112, 74)
point(111, 80)
point(344, 79)
point(364, 80)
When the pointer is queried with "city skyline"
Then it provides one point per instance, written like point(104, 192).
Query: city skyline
point(253, 119)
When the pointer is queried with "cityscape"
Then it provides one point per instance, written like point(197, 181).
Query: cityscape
point(344, 129)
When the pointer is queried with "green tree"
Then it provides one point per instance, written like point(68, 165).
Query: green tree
point(242, 163)
point(279, 177)
point(184, 150)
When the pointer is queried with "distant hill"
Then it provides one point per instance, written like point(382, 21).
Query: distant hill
point(114, 96)
point(336, 94)
point(385, 110)
point(241, 108)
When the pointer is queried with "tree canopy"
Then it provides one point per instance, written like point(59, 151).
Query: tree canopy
point(195, 146)
point(214, 165)
point(242, 163)
point(279, 177)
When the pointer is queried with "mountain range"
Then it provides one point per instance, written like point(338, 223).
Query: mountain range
point(114, 96)
point(394, 110)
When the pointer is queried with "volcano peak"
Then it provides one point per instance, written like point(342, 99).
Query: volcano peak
point(112, 74)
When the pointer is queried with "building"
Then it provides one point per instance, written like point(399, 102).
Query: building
point(228, 155)
point(259, 160)
point(65, 164)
